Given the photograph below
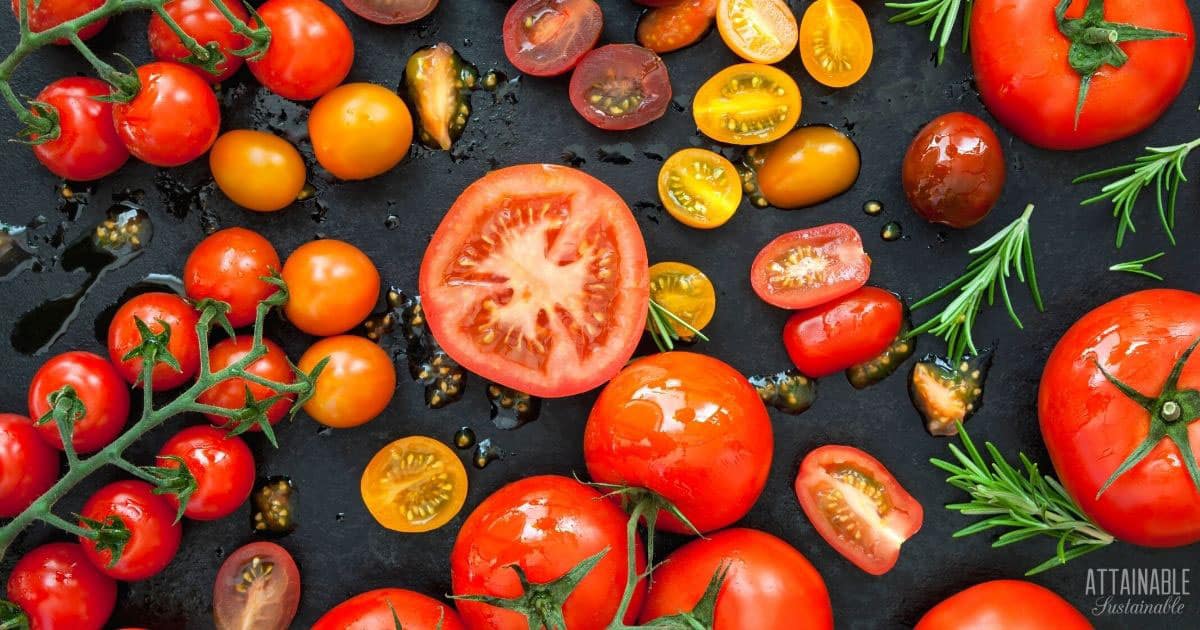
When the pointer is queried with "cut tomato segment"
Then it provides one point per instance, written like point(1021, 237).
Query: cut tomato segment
point(700, 188)
point(545, 38)
point(621, 86)
point(835, 42)
point(537, 279)
point(676, 26)
point(809, 267)
point(415, 484)
point(763, 31)
point(747, 103)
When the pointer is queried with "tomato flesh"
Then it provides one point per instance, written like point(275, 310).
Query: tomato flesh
point(843, 332)
point(684, 291)
point(258, 586)
point(415, 484)
point(749, 103)
point(545, 38)
point(621, 86)
point(675, 26)
point(809, 267)
point(700, 188)
point(762, 31)
point(391, 11)
point(835, 42)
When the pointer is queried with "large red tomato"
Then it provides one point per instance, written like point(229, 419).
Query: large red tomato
point(1007, 604)
point(374, 609)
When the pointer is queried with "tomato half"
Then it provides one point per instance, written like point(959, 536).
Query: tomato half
point(28, 466)
point(174, 118)
point(684, 291)
point(748, 103)
point(58, 587)
point(391, 11)
point(311, 49)
point(700, 188)
point(98, 385)
point(415, 484)
point(809, 267)
point(439, 83)
point(537, 279)
point(332, 287)
point(228, 265)
point(87, 147)
point(258, 586)
point(154, 310)
point(360, 130)
point(356, 385)
point(835, 42)
point(207, 25)
point(676, 26)
point(954, 170)
point(373, 610)
point(1008, 604)
point(153, 533)
point(846, 331)
point(46, 14)
point(620, 86)
point(222, 466)
point(231, 392)
point(762, 31)
point(857, 506)
point(807, 166)
point(545, 38)
point(257, 170)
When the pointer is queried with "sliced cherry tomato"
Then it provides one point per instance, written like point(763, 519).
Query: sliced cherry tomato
point(383, 608)
point(207, 25)
point(257, 170)
point(439, 81)
point(807, 166)
point(1008, 604)
point(228, 265)
point(857, 506)
point(258, 586)
point(415, 484)
point(231, 393)
point(835, 42)
point(28, 466)
point(684, 291)
point(621, 86)
point(153, 532)
point(356, 385)
point(360, 130)
point(748, 103)
point(809, 267)
point(46, 14)
point(537, 279)
point(699, 188)
point(332, 287)
point(100, 388)
point(87, 147)
point(675, 26)
point(222, 466)
point(311, 49)
point(174, 118)
point(391, 11)
point(545, 38)
point(954, 170)
point(58, 587)
point(845, 331)
point(154, 310)
point(947, 393)
point(762, 31)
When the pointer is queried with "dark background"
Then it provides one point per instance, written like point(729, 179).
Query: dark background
point(340, 549)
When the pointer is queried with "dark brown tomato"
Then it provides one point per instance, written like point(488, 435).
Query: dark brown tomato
point(545, 38)
point(621, 86)
point(954, 170)
point(391, 11)
point(258, 587)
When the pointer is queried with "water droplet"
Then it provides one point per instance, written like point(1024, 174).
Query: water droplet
point(464, 438)
point(873, 208)
point(891, 231)
point(391, 222)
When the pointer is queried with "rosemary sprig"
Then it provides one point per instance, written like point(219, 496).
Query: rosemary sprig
point(1026, 503)
point(1139, 266)
point(941, 15)
point(662, 327)
point(994, 261)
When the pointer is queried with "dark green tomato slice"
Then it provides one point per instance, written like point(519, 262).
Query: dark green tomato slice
point(867, 374)
point(439, 84)
point(945, 393)
point(274, 507)
point(790, 392)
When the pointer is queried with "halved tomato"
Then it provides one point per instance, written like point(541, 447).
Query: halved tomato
point(537, 279)
point(762, 31)
point(258, 586)
point(415, 484)
point(835, 42)
point(809, 267)
point(620, 86)
point(857, 506)
point(391, 11)
point(748, 103)
point(700, 188)
point(676, 26)
point(545, 38)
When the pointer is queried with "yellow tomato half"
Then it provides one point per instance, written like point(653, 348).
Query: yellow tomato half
point(360, 130)
point(415, 484)
point(835, 42)
point(699, 188)
point(805, 167)
point(748, 103)
point(763, 31)
point(257, 170)
point(684, 291)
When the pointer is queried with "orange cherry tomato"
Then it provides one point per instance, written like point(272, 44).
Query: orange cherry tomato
point(415, 484)
point(807, 166)
point(356, 385)
point(360, 130)
point(835, 42)
point(333, 286)
point(763, 31)
point(257, 170)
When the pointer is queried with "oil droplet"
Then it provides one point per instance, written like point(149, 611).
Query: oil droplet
point(891, 231)
point(274, 507)
point(485, 453)
point(464, 438)
point(873, 208)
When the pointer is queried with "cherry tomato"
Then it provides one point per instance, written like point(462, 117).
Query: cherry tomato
point(489, 280)
point(155, 310)
point(98, 385)
point(222, 465)
point(356, 385)
point(231, 392)
point(46, 14)
point(857, 506)
point(173, 119)
point(153, 533)
point(360, 130)
point(684, 291)
point(687, 427)
point(333, 286)
point(699, 188)
point(258, 586)
point(544, 38)
point(675, 26)
point(809, 165)
point(1008, 604)
point(809, 267)
point(748, 103)
point(415, 484)
point(204, 22)
point(257, 170)
point(954, 170)
point(28, 466)
point(228, 266)
point(311, 49)
point(835, 42)
point(57, 587)
point(374, 609)
point(845, 331)
point(88, 147)
point(762, 31)
point(620, 86)
point(391, 11)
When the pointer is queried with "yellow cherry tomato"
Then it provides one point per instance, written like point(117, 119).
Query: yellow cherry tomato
point(360, 130)
point(835, 42)
point(257, 170)
point(805, 167)
point(684, 291)
point(699, 188)
point(356, 384)
point(763, 31)
point(415, 484)
point(749, 103)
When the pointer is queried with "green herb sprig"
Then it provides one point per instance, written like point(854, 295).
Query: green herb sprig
point(662, 330)
point(940, 15)
point(1138, 266)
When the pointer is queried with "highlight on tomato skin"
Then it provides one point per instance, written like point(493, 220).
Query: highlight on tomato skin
point(1004, 604)
point(843, 332)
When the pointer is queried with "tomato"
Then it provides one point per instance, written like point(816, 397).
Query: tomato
point(439, 83)
point(46, 14)
point(545, 38)
point(687, 427)
point(153, 533)
point(360, 130)
point(333, 286)
point(258, 586)
point(231, 392)
point(810, 267)
point(857, 506)
point(546, 525)
point(699, 188)
point(1008, 604)
point(355, 386)
point(947, 393)
point(748, 103)
point(1091, 427)
point(675, 26)
point(374, 609)
point(809, 165)
point(57, 587)
point(87, 147)
point(222, 465)
point(204, 22)
point(954, 170)
point(620, 86)
point(684, 291)
point(762, 31)
point(28, 466)
point(415, 484)
point(835, 42)
point(98, 385)
point(391, 11)
point(845, 331)
point(174, 118)
point(257, 170)
point(228, 266)
point(1033, 90)
point(769, 585)
point(155, 310)
point(536, 279)
point(311, 49)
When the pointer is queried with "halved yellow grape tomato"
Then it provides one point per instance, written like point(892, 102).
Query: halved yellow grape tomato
point(415, 484)
point(699, 188)
point(748, 103)
point(835, 42)
point(763, 31)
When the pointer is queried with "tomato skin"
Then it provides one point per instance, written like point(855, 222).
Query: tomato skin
point(1033, 91)
point(576, 29)
point(88, 147)
point(360, 130)
point(257, 170)
point(688, 427)
point(954, 170)
point(849, 330)
point(153, 533)
point(247, 594)
point(769, 585)
point(58, 587)
point(28, 466)
point(228, 266)
point(222, 465)
point(47, 14)
point(807, 166)
point(370, 610)
point(154, 309)
point(676, 26)
point(100, 387)
point(1008, 604)
point(333, 286)
point(831, 263)
point(617, 72)
point(356, 385)
point(231, 392)
point(391, 12)
point(311, 49)
point(201, 20)
point(174, 118)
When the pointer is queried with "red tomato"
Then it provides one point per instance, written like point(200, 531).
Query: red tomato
point(104, 394)
point(547, 525)
point(687, 427)
point(311, 49)
point(201, 20)
point(809, 267)
point(231, 392)
point(153, 533)
point(849, 330)
point(769, 584)
point(621, 86)
point(57, 587)
point(954, 170)
point(46, 14)
point(228, 266)
point(1091, 427)
point(87, 147)
point(258, 586)
point(156, 309)
point(222, 465)
point(174, 118)
point(537, 279)
point(332, 287)
point(1033, 90)
point(1007, 604)
point(676, 26)
point(28, 466)
point(373, 610)
point(545, 38)
point(857, 506)
point(391, 11)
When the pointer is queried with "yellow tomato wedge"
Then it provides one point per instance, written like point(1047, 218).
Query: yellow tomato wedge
point(763, 31)
point(748, 103)
point(684, 291)
point(699, 188)
point(415, 484)
point(835, 42)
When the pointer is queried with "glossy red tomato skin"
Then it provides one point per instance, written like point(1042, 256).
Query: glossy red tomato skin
point(370, 610)
point(624, 65)
point(104, 393)
point(559, 54)
point(688, 427)
point(1090, 427)
point(546, 524)
point(1032, 89)
point(222, 465)
point(46, 14)
point(153, 533)
point(88, 147)
point(174, 118)
point(201, 20)
point(311, 49)
point(58, 587)
point(1007, 604)
point(231, 393)
point(769, 585)
point(228, 266)
point(28, 466)
point(954, 170)
point(849, 330)
point(153, 308)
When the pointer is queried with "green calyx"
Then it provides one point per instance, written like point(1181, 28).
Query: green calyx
point(12, 617)
point(110, 535)
point(541, 604)
point(154, 347)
